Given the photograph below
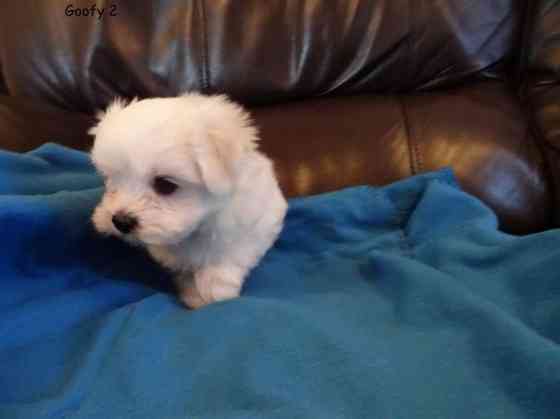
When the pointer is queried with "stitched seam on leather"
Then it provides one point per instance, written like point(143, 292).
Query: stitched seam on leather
point(418, 156)
point(411, 148)
point(415, 145)
point(525, 37)
point(205, 74)
point(409, 35)
point(416, 159)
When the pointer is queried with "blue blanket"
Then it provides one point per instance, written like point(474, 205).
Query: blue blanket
point(398, 302)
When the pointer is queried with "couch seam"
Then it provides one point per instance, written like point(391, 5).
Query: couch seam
point(411, 58)
point(413, 150)
point(204, 73)
point(524, 40)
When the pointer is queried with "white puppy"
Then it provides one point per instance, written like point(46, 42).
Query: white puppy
point(183, 177)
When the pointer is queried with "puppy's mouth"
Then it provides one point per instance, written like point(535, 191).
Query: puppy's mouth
point(139, 237)
point(158, 239)
point(130, 239)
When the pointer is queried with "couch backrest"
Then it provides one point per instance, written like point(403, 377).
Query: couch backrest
point(255, 50)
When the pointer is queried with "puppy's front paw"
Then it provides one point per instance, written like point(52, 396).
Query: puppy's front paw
point(191, 297)
point(213, 284)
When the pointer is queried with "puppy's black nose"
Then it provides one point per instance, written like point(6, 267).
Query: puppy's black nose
point(124, 222)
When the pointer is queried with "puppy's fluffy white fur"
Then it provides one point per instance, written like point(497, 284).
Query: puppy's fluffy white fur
point(227, 209)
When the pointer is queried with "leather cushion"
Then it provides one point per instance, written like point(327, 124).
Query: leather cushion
point(325, 144)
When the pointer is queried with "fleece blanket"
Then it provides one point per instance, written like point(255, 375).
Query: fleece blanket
point(398, 302)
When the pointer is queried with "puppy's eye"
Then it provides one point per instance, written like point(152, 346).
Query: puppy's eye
point(164, 186)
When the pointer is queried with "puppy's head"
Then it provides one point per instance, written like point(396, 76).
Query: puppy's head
point(168, 164)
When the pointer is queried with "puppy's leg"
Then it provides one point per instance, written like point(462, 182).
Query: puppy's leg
point(211, 284)
point(188, 293)
point(217, 283)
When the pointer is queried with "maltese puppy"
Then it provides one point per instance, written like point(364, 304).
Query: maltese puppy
point(184, 178)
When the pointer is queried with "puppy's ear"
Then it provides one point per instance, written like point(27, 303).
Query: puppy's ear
point(216, 161)
point(117, 105)
point(228, 134)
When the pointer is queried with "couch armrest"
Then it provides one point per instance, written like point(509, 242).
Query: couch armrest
point(544, 98)
point(542, 88)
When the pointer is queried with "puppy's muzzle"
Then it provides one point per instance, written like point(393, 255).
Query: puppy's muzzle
point(123, 222)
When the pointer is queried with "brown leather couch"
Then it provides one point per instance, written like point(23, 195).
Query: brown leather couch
point(345, 91)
